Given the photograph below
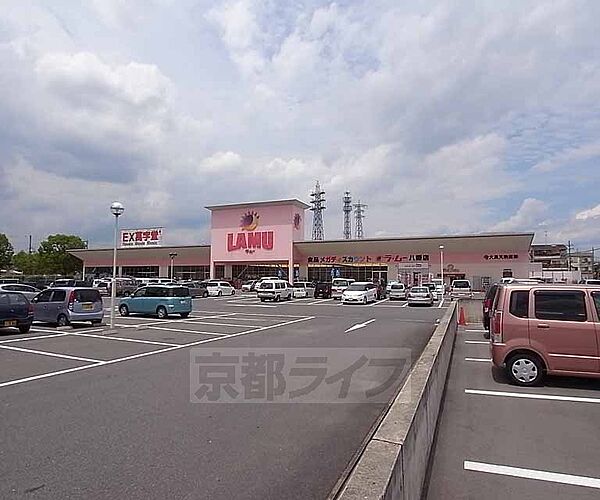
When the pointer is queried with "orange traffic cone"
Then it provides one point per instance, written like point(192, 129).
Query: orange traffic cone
point(461, 317)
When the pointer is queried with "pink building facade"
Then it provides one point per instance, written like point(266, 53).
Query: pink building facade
point(248, 240)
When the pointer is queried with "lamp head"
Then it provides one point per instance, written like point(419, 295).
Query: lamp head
point(117, 208)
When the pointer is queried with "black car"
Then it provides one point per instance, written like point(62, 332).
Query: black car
point(488, 301)
point(323, 290)
point(15, 311)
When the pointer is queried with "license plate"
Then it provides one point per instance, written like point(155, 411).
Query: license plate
point(11, 322)
point(87, 307)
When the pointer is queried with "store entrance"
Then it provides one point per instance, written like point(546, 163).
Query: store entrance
point(379, 276)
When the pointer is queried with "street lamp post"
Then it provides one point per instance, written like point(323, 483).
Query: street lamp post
point(117, 209)
point(442, 266)
point(172, 255)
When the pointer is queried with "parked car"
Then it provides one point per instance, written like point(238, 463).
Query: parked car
point(398, 291)
point(102, 285)
point(432, 288)
point(63, 306)
point(218, 288)
point(592, 282)
point(488, 300)
point(61, 283)
point(248, 286)
point(15, 311)
point(440, 287)
point(420, 295)
point(323, 290)
point(274, 290)
point(196, 288)
point(299, 291)
point(461, 289)
point(546, 329)
point(159, 300)
point(359, 293)
point(29, 291)
point(308, 286)
point(338, 285)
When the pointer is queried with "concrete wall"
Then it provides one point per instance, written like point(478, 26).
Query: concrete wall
point(394, 462)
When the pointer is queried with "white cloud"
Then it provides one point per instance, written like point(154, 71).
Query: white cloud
point(569, 156)
point(221, 162)
point(591, 213)
point(529, 217)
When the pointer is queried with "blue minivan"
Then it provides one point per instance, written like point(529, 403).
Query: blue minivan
point(160, 300)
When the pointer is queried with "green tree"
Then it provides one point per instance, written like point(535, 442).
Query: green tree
point(6, 252)
point(53, 255)
point(26, 262)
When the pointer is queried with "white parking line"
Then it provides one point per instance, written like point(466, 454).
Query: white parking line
point(219, 324)
point(183, 320)
point(476, 342)
point(144, 354)
point(181, 330)
point(23, 339)
point(441, 304)
point(123, 339)
point(539, 475)
point(377, 303)
point(51, 354)
point(482, 360)
point(248, 305)
point(405, 305)
point(523, 395)
point(476, 331)
point(276, 315)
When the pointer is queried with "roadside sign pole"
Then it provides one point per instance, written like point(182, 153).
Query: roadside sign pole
point(117, 209)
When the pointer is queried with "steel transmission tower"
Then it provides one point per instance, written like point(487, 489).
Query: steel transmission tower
point(347, 209)
point(318, 205)
point(359, 215)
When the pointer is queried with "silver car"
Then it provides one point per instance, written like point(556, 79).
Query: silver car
point(62, 306)
point(397, 291)
point(420, 295)
point(29, 291)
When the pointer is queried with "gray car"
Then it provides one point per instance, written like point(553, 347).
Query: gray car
point(62, 306)
point(29, 291)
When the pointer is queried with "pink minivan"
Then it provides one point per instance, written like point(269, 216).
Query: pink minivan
point(546, 329)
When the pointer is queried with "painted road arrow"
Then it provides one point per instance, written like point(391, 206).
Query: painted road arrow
point(359, 325)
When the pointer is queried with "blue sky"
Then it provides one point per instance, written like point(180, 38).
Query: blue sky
point(445, 117)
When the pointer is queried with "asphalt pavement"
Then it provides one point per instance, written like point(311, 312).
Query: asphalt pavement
point(89, 413)
point(497, 441)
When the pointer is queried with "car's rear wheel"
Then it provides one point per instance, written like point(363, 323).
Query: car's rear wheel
point(365, 300)
point(219, 293)
point(233, 291)
point(204, 295)
point(161, 312)
point(24, 328)
point(277, 298)
point(124, 310)
point(62, 320)
point(96, 321)
point(525, 369)
point(184, 315)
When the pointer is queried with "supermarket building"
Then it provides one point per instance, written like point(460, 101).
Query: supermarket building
point(249, 240)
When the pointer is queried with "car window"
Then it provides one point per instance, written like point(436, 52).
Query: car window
point(519, 303)
point(179, 292)
point(9, 288)
point(4, 300)
point(420, 289)
point(44, 296)
point(87, 296)
point(356, 287)
point(266, 285)
point(140, 292)
point(59, 296)
point(461, 284)
point(397, 287)
point(560, 305)
point(596, 296)
point(17, 299)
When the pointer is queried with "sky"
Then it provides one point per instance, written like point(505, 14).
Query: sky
point(445, 117)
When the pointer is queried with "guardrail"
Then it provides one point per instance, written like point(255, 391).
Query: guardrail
point(394, 462)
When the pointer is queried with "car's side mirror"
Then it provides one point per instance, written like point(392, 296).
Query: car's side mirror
point(34, 300)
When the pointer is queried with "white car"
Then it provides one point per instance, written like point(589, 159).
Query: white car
point(247, 286)
point(461, 289)
point(420, 295)
point(308, 287)
point(275, 290)
point(338, 285)
point(360, 293)
point(397, 291)
point(29, 291)
point(432, 288)
point(300, 291)
point(218, 288)
point(440, 288)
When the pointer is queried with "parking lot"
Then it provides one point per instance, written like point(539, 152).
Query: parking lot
point(93, 413)
point(496, 440)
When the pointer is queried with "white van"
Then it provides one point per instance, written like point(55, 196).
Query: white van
point(275, 290)
point(461, 289)
point(338, 285)
point(307, 286)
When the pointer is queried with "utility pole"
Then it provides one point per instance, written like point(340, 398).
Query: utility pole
point(317, 208)
point(359, 215)
point(569, 254)
point(347, 209)
point(30, 246)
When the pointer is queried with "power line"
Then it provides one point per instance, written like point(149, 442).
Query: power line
point(347, 209)
point(359, 215)
point(317, 208)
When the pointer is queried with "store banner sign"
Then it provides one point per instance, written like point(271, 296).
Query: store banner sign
point(412, 266)
point(368, 259)
point(146, 237)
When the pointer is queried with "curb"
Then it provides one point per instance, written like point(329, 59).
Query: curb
point(394, 462)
